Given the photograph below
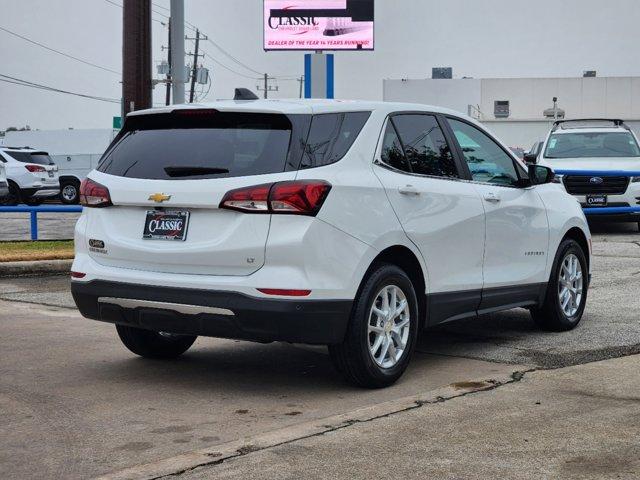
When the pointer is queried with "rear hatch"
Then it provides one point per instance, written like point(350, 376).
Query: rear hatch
point(177, 167)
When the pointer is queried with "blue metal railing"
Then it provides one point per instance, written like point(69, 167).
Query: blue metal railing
point(604, 173)
point(40, 209)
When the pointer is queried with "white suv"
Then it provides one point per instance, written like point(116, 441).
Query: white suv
point(4, 186)
point(598, 161)
point(32, 176)
point(348, 224)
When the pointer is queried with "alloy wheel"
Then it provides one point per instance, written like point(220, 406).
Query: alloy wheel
point(570, 285)
point(389, 326)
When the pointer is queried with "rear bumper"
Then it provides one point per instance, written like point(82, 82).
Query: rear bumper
point(213, 313)
point(41, 192)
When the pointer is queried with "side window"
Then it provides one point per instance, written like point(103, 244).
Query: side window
point(425, 146)
point(331, 136)
point(392, 152)
point(487, 161)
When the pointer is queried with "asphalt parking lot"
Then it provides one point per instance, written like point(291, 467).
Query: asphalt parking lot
point(76, 404)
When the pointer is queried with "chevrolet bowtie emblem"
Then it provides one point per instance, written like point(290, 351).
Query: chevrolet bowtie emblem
point(159, 197)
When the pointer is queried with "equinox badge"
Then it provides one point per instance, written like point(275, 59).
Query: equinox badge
point(159, 197)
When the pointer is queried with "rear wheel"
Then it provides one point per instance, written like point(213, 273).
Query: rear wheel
point(566, 295)
point(14, 197)
point(150, 344)
point(382, 331)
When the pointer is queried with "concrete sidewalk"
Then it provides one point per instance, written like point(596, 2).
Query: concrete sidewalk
point(573, 423)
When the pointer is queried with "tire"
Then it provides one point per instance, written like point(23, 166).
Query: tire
point(352, 358)
point(150, 344)
point(14, 198)
point(69, 192)
point(551, 316)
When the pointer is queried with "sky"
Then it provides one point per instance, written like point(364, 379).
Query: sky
point(478, 38)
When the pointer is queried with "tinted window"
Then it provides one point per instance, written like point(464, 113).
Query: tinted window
point(425, 146)
point(596, 144)
point(331, 137)
point(392, 153)
point(214, 145)
point(487, 161)
point(28, 157)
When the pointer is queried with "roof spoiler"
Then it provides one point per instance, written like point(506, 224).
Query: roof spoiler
point(616, 122)
point(244, 94)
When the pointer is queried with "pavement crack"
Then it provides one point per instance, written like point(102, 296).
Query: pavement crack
point(487, 386)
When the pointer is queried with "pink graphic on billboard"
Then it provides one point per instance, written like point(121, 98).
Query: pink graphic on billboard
point(318, 25)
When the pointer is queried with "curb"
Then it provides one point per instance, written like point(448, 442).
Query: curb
point(186, 462)
point(39, 267)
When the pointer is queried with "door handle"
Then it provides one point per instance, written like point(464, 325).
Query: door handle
point(492, 197)
point(408, 190)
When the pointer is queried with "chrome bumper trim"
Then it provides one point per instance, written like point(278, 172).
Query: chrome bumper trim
point(175, 307)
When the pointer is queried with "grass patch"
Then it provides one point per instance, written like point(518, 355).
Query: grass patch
point(40, 250)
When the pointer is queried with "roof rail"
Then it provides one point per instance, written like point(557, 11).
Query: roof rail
point(616, 122)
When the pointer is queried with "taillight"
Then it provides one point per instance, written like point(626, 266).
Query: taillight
point(35, 168)
point(78, 274)
point(304, 197)
point(250, 199)
point(92, 194)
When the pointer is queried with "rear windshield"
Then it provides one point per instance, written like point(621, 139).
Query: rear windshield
point(38, 158)
point(594, 144)
point(211, 144)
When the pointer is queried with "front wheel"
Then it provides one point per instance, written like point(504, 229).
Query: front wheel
point(566, 295)
point(69, 192)
point(150, 344)
point(382, 330)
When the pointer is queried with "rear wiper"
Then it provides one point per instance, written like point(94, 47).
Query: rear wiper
point(193, 171)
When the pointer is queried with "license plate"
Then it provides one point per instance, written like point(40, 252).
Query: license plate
point(597, 200)
point(51, 173)
point(166, 225)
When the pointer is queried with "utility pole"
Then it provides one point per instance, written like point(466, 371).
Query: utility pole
point(177, 50)
point(136, 55)
point(267, 88)
point(194, 72)
point(167, 100)
point(301, 81)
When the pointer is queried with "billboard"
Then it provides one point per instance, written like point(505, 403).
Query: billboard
point(318, 25)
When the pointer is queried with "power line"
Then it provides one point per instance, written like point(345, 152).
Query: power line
point(25, 83)
point(154, 11)
point(58, 51)
point(217, 45)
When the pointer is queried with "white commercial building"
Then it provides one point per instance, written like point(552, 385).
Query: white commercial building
point(514, 108)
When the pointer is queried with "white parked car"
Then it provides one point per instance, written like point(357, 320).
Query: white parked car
point(31, 174)
point(600, 160)
point(347, 224)
point(4, 186)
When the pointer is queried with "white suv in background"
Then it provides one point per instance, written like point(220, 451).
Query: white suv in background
point(32, 176)
point(347, 224)
point(599, 162)
point(4, 186)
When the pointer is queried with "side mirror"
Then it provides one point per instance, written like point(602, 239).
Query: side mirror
point(539, 175)
point(531, 158)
